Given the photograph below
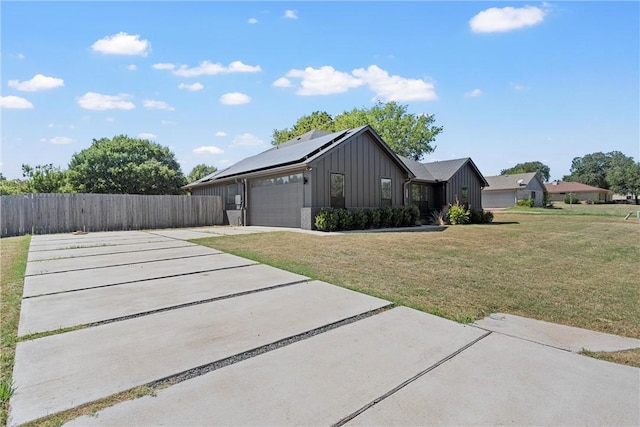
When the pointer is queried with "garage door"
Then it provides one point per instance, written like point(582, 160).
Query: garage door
point(498, 199)
point(276, 201)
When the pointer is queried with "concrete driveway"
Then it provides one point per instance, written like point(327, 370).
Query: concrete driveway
point(247, 344)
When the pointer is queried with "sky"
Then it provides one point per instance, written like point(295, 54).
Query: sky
point(510, 82)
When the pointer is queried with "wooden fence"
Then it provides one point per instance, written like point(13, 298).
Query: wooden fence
point(63, 213)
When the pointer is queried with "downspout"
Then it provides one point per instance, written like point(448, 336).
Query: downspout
point(243, 207)
point(407, 182)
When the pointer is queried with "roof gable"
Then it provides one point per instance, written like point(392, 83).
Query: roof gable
point(441, 171)
point(512, 181)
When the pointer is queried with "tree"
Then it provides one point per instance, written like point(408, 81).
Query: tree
point(45, 179)
point(590, 169)
point(543, 171)
point(410, 135)
point(124, 165)
point(13, 186)
point(200, 171)
point(623, 175)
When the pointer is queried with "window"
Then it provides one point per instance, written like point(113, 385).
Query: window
point(533, 195)
point(465, 194)
point(385, 191)
point(280, 180)
point(419, 197)
point(337, 190)
point(233, 199)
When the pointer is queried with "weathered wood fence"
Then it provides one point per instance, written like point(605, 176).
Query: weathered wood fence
point(62, 213)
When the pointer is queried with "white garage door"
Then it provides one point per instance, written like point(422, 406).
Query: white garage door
point(276, 201)
point(498, 199)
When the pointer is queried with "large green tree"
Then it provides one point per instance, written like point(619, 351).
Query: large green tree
point(543, 171)
point(45, 179)
point(410, 135)
point(592, 169)
point(623, 175)
point(200, 171)
point(124, 165)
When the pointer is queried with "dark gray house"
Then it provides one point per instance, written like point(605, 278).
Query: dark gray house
point(287, 185)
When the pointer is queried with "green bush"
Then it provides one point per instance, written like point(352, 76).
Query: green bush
point(327, 219)
point(528, 203)
point(344, 219)
point(359, 219)
point(387, 217)
point(373, 218)
point(413, 214)
point(458, 214)
point(488, 217)
point(571, 199)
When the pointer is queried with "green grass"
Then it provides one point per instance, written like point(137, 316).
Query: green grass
point(13, 251)
point(559, 208)
point(579, 270)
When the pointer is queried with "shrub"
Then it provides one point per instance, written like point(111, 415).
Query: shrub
point(488, 217)
point(476, 216)
point(458, 214)
point(387, 217)
point(344, 219)
point(528, 203)
point(373, 218)
point(571, 199)
point(413, 215)
point(359, 219)
point(438, 217)
point(327, 220)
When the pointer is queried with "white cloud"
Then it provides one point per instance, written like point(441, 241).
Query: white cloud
point(220, 133)
point(252, 21)
point(395, 88)
point(282, 82)
point(21, 56)
point(15, 102)
point(496, 20)
point(149, 136)
point(97, 101)
point(291, 14)
point(61, 140)
point(327, 80)
point(192, 87)
point(208, 68)
point(323, 81)
point(518, 87)
point(473, 94)
point(163, 66)
point(132, 67)
point(38, 82)
point(122, 44)
point(50, 125)
point(208, 149)
point(110, 119)
point(235, 98)
point(246, 139)
point(157, 105)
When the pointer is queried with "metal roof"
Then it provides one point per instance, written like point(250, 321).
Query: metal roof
point(510, 182)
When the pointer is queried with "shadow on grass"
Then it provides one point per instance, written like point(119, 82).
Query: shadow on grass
point(503, 222)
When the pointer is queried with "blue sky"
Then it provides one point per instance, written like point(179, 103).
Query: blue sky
point(510, 82)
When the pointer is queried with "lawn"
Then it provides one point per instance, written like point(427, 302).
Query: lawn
point(560, 208)
point(578, 270)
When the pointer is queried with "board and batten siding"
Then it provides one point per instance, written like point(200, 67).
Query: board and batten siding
point(465, 176)
point(363, 164)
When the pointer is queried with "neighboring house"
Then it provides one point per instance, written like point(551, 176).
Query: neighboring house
point(558, 191)
point(287, 185)
point(505, 190)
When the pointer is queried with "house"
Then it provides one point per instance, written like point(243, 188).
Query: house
point(287, 185)
point(505, 190)
point(559, 189)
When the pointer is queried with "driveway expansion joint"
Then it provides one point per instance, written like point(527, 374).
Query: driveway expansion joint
point(121, 265)
point(142, 280)
point(409, 381)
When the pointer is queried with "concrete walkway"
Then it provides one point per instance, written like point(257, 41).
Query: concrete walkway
point(248, 344)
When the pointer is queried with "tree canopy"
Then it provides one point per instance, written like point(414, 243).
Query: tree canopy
point(124, 165)
point(543, 171)
point(409, 135)
point(200, 171)
point(45, 179)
